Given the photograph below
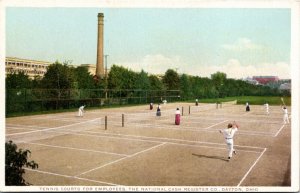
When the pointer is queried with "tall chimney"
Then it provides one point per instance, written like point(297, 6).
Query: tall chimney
point(99, 66)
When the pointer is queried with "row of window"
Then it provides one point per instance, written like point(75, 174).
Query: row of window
point(26, 65)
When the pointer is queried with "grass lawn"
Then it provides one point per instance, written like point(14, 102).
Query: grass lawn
point(252, 100)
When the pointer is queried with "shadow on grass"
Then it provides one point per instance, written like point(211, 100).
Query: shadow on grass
point(211, 157)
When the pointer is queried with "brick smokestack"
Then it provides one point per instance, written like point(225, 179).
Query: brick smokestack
point(100, 66)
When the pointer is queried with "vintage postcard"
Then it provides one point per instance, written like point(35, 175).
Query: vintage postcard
point(168, 96)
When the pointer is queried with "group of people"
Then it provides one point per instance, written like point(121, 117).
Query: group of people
point(266, 105)
point(228, 133)
point(158, 113)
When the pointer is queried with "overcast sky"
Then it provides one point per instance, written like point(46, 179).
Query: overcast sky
point(198, 41)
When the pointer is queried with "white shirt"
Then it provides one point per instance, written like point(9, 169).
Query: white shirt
point(177, 112)
point(285, 111)
point(81, 108)
point(229, 132)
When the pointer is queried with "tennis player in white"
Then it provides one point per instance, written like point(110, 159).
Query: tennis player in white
point(228, 135)
point(267, 108)
point(285, 115)
point(81, 111)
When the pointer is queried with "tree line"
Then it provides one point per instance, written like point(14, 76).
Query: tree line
point(61, 77)
point(64, 76)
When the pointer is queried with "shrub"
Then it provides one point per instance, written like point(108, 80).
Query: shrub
point(15, 160)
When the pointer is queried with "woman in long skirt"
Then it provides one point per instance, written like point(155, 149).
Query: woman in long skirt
point(158, 113)
point(177, 117)
point(247, 107)
point(151, 106)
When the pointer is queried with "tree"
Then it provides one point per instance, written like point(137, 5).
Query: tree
point(219, 79)
point(171, 80)
point(83, 79)
point(121, 78)
point(185, 87)
point(155, 83)
point(58, 76)
point(17, 81)
point(15, 160)
point(16, 85)
point(142, 81)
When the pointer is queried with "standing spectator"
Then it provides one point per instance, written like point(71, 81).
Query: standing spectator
point(151, 106)
point(177, 117)
point(247, 107)
point(158, 113)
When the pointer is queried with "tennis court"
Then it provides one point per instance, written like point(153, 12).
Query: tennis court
point(131, 146)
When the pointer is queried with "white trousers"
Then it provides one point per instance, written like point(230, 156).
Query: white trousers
point(229, 143)
point(80, 113)
point(286, 118)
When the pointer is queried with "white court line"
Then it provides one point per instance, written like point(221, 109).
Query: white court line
point(26, 126)
point(121, 159)
point(162, 138)
point(51, 128)
point(18, 128)
point(72, 148)
point(279, 130)
point(215, 124)
point(67, 176)
point(251, 167)
point(141, 139)
point(187, 128)
point(144, 140)
point(211, 147)
point(173, 143)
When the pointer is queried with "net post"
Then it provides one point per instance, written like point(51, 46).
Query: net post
point(189, 109)
point(216, 105)
point(122, 120)
point(105, 122)
point(221, 105)
point(181, 111)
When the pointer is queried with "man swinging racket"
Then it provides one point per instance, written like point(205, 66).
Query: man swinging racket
point(228, 135)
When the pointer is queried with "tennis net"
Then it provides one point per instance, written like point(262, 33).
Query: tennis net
point(228, 103)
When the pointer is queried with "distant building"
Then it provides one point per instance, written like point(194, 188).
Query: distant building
point(91, 68)
point(265, 79)
point(30, 67)
point(35, 67)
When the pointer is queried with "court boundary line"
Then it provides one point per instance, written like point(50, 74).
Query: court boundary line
point(51, 128)
point(137, 153)
point(140, 138)
point(262, 153)
point(126, 155)
point(27, 126)
point(279, 130)
point(206, 129)
point(68, 176)
point(79, 149)
point(163, 138)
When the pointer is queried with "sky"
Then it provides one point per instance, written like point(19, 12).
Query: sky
point(241, 42)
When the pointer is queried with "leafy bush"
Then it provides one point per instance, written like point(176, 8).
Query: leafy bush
point(15, 160)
